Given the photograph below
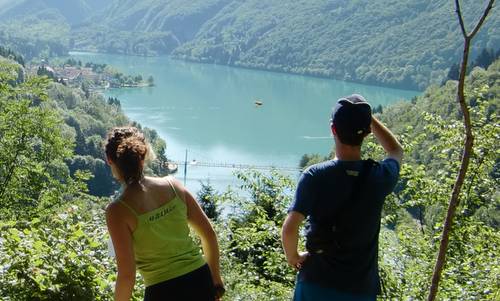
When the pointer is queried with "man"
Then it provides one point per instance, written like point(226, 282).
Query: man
point(342, 200)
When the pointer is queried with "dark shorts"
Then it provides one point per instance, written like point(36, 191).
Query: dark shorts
point(306, 291)
point(195, 285)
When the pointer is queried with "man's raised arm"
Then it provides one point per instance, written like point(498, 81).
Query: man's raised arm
point(385, 137)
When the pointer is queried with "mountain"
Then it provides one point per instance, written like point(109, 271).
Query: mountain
point(41, 28)
point(407, 44)
point(74, 12)
point(7, 4)
point(395, 43)
point(184, 19)
point(147, 27)
point(399, 43)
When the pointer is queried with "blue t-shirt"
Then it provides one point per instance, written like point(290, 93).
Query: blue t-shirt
point(321, 196)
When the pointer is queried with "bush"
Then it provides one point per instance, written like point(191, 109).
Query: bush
point(60, 257)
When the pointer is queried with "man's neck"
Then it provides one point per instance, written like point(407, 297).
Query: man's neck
point(347, 152)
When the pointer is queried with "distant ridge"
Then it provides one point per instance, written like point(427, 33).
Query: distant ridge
point(405, 44)
point(74, 11)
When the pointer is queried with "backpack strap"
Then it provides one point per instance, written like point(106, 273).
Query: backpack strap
point(356, 187)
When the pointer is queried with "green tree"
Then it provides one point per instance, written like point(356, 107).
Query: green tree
point(207, 197)
point(253, 263)
point(408, 252)
point(42, 71)
point(310, 159)
point(33, 174)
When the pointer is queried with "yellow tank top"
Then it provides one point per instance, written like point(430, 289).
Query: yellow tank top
point(163, 248)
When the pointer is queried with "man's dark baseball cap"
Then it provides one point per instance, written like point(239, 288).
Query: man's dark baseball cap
point(352, 116)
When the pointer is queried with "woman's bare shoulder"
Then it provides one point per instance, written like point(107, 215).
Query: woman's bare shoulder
point(156, 181)
point(163, 186)
point(115, 209)
point(176, 184)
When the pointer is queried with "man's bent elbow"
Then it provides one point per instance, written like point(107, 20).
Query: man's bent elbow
point(396, 153)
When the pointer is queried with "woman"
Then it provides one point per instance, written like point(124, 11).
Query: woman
point(148, 224)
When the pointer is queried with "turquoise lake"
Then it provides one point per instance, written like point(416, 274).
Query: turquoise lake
point(210, 111)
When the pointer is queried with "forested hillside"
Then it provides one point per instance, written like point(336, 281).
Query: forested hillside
point(148, 27)
point(74, 11)
point(39, 35)
point(407, 44)
point(397, 43)
point(41, 28)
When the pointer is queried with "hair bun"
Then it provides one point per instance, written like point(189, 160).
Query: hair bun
point(132, 146)
point(127, 148)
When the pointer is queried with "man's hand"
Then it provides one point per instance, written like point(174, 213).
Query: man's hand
point(296, 261)
point(290, 237)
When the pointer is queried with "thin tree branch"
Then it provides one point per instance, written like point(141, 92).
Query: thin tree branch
point(483, 18)
point(460, 18)
point(466, 154)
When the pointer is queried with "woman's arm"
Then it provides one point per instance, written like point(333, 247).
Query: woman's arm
point(121, 236)
point(290, 238)
point(201, 224)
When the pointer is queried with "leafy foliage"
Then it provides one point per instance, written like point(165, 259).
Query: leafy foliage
point(58, 257)
point(483, 60)
point(7, 53)
point(32, 152)
point(254, 266)
point(43, 255)
point(426, 185)
point(209, 201)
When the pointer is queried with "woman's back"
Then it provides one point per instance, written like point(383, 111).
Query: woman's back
point(163, 248)
point(148, 225)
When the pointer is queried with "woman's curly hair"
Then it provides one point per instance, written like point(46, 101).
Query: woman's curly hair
point(127, 148)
